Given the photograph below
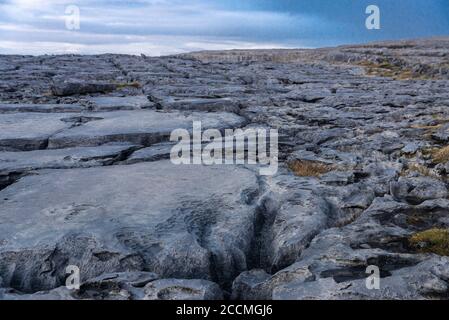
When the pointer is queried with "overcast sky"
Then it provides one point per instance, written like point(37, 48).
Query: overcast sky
point(158, 27)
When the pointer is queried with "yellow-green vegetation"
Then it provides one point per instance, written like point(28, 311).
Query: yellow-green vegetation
point(133, 84)
point(304, 168)
point(431, 241)
point(389, 70)
point(405, 75)
point(384, 69)
point(428, 127)
point(431, 128)
point(419, 168)
point(414, 219)
point(440, 155)
point(437, 124)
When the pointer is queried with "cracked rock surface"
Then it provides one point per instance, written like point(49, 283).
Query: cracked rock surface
point(85, 178)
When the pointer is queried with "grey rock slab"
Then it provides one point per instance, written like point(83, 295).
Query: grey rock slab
point(116, 286)
point(381, 174)
point(108, 286)
point(4, 67)
point(61, 293)
point(181, 289)
point(106, 103)
point(411, 148)
point(156, 152)
point(346, 202)
point(338, 257)
point(144, 127)
point(29, 131)
point(177, 221)
point(338, 178)
point(197, 104)
point(416, 190)
point(293, 213)
point(62, 158)
point(443, 168)
point(258, 285)
point(303, 155)
point(44, 108)
point(72, 87)
point(313, 96)
point(426, 280)
point(248, 285)
point(441, 135)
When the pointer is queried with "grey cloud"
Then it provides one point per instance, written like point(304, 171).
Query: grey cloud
point(124, 22)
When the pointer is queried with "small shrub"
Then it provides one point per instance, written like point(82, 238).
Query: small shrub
point(422, 170)
point(428, 127)
point(405, 75)
point(431, 241)
point(389, 70)
point(304, 168)
point(134, 84)
point(440, 155)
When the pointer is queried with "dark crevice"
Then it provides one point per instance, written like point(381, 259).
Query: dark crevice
point(10, 178)
point(350, 274)
point(386, 264)
point(122, 156)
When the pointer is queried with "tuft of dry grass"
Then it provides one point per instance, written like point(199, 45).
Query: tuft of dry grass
point(440, 155)
point(431, 241)
point(438, 120)
point(389, 70)
point(414, 219)
point(422, 170)
point(384, 69)
point(134, 84)
point(405, 75)
point(303, 168)
point(429, 127)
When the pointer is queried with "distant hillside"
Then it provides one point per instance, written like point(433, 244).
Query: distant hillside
point(423, 58)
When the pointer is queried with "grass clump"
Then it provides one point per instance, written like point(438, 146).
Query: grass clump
point(134, 84)
point(431, 241)
point(440, 155)
point(305, 168)
point(437, 124)
point(422, 170)
point(414, 219)
point(427, 127)
point(384, 69)
point(388, 70)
